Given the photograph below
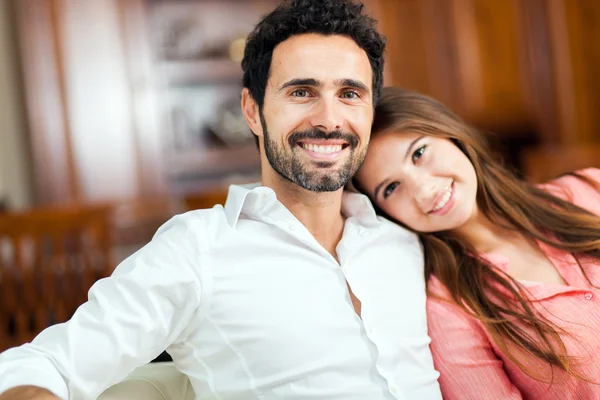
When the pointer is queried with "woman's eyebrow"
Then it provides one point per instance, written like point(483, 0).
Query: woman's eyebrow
point(412, 144)
point(378, 188)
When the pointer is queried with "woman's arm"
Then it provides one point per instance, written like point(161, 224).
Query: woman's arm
point(463, 355)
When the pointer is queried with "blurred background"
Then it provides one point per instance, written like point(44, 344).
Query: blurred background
point(117, 114)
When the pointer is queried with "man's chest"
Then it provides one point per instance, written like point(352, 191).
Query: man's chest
point(283, 315)
point(279, 305)
point(297, 296)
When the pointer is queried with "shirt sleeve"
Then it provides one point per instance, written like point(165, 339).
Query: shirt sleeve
point(418, 377)
point(462, 353)
point(128, 320)
point(578, 191)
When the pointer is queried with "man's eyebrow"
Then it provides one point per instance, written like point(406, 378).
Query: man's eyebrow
point(301, 82)
point(353, 83)
point(344, 82)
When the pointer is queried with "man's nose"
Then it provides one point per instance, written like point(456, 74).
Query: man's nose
point(327, 116)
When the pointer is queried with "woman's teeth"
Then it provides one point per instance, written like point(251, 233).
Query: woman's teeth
point(322, 149)
point(444, 199)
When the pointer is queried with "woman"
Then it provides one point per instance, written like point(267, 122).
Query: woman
point(513, 270)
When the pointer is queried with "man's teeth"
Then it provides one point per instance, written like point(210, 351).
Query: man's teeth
point(322, 149)
point(444, 199)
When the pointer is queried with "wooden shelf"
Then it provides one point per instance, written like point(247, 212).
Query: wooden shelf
point(195, 170)
point(214, 161)
point(198, 72)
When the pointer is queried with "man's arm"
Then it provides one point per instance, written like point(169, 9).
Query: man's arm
point(28, 393)
point(128, 320)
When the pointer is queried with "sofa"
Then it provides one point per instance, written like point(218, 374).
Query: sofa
point(154, 381)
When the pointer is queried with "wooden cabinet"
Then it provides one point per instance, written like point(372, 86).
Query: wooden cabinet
point(466, 53)
point(575, 36)
point(525, 69)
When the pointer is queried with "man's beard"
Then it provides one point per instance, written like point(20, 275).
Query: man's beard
point(317, 176)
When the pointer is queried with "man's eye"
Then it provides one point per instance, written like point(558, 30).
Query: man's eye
point(351, 94)
point(389, 189)
point(300, 93)
point(418, 153)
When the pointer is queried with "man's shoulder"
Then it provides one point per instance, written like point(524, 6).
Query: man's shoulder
point(201, 223)
point(204, 218)
point(390, 228)
point(388, 240)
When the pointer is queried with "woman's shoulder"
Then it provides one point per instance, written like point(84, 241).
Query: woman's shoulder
point(438, 293)
point(582, 188)
point(444, 314)
point(576, 178)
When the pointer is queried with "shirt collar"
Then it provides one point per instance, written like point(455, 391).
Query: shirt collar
point(359, 206)
point(236, 197)
point(353, 204)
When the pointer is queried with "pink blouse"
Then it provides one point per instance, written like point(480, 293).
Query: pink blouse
point(472, 366)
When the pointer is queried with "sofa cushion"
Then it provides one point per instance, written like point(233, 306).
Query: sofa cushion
point(155, 381)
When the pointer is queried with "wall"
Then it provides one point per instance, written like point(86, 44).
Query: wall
point(15, 173)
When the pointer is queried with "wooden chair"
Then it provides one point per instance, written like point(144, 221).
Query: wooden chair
point(48, 261)
point(135, 221)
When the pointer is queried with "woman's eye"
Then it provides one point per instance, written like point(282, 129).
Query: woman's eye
point(389, 189)
point(418, 153)
point(300, 93)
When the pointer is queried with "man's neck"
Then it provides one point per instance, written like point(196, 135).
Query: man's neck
point(319, 212)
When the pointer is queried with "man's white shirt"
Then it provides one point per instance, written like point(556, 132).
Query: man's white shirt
point(250, 306)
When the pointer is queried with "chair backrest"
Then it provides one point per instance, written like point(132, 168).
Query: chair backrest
point(49, 258)
point(135, 221)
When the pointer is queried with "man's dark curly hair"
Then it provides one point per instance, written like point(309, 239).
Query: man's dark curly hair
point(296, 17)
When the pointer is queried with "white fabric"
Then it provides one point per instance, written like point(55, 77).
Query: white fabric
point(250, 306)
point(156, 381)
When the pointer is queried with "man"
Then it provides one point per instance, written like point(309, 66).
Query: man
point(294, 290)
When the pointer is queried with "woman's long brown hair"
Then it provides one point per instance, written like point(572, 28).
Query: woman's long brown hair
point(480, 289)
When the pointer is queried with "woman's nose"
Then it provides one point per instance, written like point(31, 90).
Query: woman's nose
point(425, 193)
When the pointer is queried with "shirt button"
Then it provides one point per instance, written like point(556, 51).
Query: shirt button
point(395, 391)
point(363, 232)
point(589, 296)
point(292, 227)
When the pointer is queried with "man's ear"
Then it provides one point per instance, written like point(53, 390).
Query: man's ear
point(251, 113)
